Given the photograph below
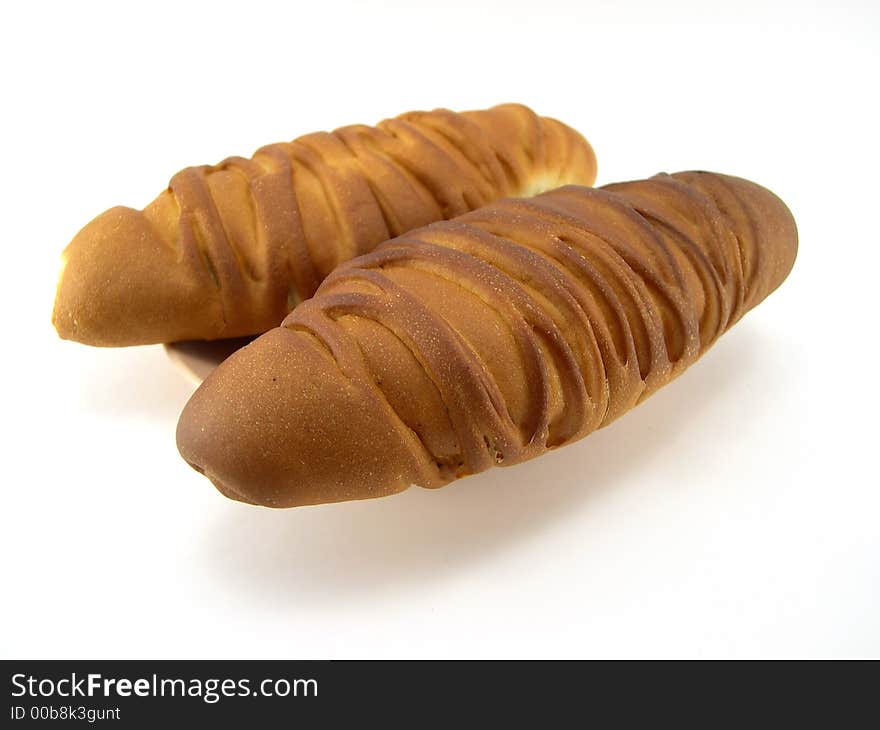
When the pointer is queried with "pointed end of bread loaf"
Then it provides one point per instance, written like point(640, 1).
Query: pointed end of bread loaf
point(765, 228)
point(121, 284)
point(279, 425)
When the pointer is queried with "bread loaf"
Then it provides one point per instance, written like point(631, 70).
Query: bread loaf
point(488, 339)
point(228, 250)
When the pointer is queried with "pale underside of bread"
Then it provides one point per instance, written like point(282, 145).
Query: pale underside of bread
point(228, 250)
point(488, 339)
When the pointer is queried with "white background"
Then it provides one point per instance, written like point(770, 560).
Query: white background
point(736, 513)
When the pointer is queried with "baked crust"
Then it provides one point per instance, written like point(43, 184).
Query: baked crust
point(228, 250)
point(488, 339)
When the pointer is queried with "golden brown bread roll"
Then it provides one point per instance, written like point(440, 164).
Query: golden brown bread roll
point(228, 250)
point(488, 339)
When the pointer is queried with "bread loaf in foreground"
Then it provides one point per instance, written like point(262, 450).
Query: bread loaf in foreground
point(487, 340)
point(228, 250)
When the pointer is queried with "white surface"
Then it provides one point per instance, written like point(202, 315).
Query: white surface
point(734, 514)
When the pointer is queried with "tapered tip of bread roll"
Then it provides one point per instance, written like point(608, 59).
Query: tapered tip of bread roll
point(264, 428)
point(111, 273)
point(761, 219)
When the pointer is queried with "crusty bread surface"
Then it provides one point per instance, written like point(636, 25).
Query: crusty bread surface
point(488, 339)
point(227, 250)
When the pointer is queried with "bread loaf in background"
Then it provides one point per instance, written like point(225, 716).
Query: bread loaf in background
point(228, 250)
point(488, 339)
